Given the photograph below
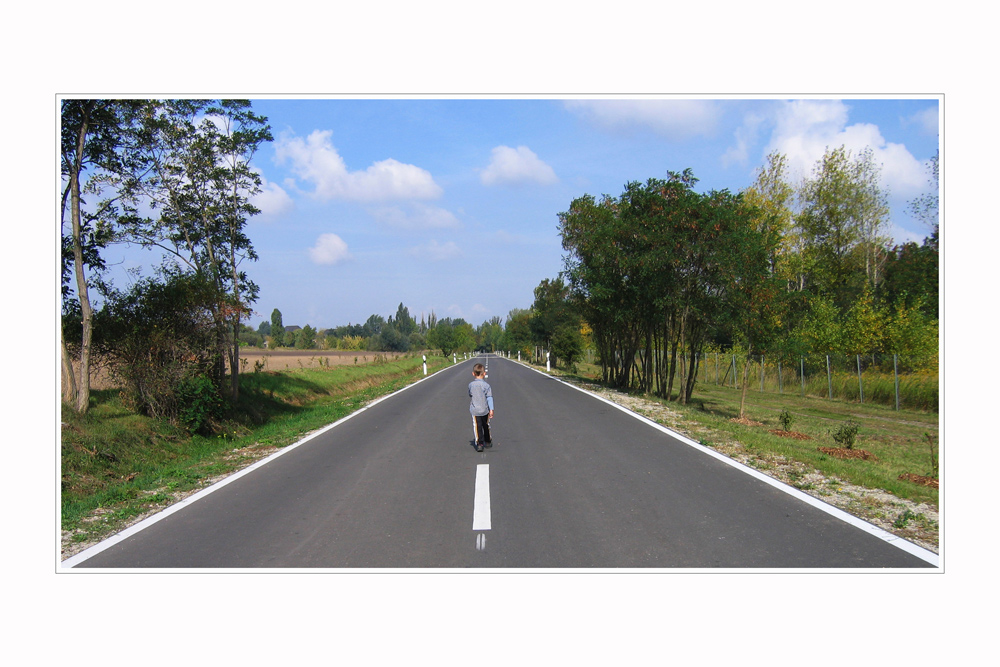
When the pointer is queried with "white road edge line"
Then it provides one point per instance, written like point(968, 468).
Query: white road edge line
point(907, 546)
point(86, 554)
point(481, 514)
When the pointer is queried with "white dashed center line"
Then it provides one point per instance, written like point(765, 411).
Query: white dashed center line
point(481, 512)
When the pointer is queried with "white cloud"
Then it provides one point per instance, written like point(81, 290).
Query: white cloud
point(926, 121)
point(745, 135)
point(672, 118)
point(416, 216)
point(329, 249)
point(516, 165)
point(316, 161)
point(804, 129)
point(437, 252)
point(272, 200)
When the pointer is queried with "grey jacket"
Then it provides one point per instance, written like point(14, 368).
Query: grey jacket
point(482, 397)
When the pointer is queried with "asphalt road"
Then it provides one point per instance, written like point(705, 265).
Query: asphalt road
point(572, 482)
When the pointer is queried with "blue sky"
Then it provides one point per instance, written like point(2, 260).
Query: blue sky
point(450, 205)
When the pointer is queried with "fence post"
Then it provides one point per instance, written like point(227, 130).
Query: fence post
point(829, 382)
point(779, 377)
point(762, 373)
point(895, 377)
point(802, 373)
point(861, 386)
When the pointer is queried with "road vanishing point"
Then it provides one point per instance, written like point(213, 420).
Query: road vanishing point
point(573, 481)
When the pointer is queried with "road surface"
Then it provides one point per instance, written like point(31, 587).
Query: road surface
point(572, 482)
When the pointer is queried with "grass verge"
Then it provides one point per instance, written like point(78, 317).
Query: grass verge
point(119, 466)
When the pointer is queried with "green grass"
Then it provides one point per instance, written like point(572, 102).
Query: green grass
point(897, 439)
point(117, 465)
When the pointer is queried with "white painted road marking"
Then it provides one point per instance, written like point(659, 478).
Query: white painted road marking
point(481, 513)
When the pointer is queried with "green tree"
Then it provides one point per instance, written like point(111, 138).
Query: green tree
point(201, 182)
point(771, 197)
point(441, 337)
point(403, 323)
point(96, 138)
point(820, 328)
point(843, 216)
point(490, 335)
point(552, 311)
point(277, 328)
point(567, 344)
point(913, 335)
point(464, 336)
point(912, 271)
point(863, 326)
point(305, 338)
point(517, 332)
point(158, 342)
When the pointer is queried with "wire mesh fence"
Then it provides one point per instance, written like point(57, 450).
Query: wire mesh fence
point(885, 379)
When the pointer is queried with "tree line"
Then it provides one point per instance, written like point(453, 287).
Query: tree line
point(661, 273)
point(399, 333)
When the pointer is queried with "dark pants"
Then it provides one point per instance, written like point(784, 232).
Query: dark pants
point(481, 429)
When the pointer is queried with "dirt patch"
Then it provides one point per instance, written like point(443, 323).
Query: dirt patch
point(922, 480)
point(844, 453)
point(794, 435)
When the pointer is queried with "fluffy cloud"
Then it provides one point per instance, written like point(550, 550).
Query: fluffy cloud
point(272, 200)
point(329, 249)
point(315, 160)
point(437, 252)
point(672, 118)
point(516, 165)
point(804, 129)
point(416, 216)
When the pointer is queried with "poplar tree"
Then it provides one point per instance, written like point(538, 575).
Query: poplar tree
point(96, 140)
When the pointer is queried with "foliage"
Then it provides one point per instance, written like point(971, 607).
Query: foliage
point(195, 175)
point(844, 213)
point(661, 271)
point(305, 338)
point(96, 147)
point(555, 321)
point(567, 344)
point(786, 419)
point(157, 338)
point(517, 332)
point(277, 329)
point(846, 434)
point(199, 402)
point(862, 329)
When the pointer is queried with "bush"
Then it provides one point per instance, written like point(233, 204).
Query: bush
point(199, 403)
point(845, 435)
point(786, 420)
point(163, 346)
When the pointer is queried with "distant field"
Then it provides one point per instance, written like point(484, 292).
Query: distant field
point(279, 360)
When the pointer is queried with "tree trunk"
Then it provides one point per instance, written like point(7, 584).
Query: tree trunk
point(68, 376)
point(83, 386)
